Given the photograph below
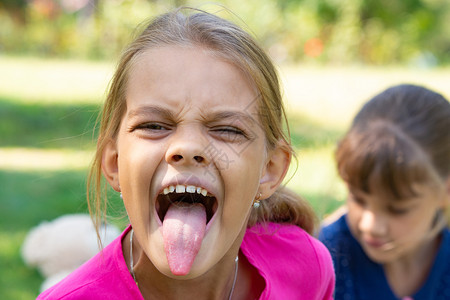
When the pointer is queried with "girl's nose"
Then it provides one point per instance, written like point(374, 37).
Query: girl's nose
point(372, 223)
point(187, 147)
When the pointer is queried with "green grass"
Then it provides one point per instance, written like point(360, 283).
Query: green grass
point(28, 198)
point(35, 196)
point(307, 133)
point(17, 280)
point(53, 80)
point(46, 125)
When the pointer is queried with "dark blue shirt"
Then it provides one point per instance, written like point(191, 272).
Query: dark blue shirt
point(359, 278)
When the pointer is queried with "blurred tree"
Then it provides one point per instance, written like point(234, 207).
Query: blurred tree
point(371, 31)
point(401, 30)
point(16, 8)
point(336, 31)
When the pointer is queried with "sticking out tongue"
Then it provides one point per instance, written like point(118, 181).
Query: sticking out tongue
point(183, 230)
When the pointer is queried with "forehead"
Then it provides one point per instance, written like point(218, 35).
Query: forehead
point(383, 196)
point(189, 75)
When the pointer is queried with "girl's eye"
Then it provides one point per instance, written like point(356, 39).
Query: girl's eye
point(356, 199)
point(230, 130)
point(151, 130)
point(152, 126)
point(398, 211)
point(229, 133)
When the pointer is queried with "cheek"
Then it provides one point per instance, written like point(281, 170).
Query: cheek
point(139, 156)
point(419, 222)
point(247, 166)
point(242, 178)
point(131, 164)
point(354, 215)
point(136, 169)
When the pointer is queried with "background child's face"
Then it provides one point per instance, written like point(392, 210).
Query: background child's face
point(191, 118)
point(390, 229)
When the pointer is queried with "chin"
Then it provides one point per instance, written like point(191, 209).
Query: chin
point(380, 256)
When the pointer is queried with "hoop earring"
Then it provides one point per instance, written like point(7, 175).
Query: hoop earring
point(256, 202)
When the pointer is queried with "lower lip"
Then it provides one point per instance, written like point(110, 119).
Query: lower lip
point(374, 244)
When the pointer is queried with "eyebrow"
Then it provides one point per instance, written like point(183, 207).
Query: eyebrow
point(148, 110)
point(221, 115)
point(246, 118)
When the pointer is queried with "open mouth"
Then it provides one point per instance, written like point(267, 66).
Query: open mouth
point(185, 194)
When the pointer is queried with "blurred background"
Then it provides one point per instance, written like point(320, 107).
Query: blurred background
point(57, 57)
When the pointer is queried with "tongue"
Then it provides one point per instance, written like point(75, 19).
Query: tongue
point(183, 230)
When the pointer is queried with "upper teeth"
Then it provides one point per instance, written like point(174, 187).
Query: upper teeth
point(180, 188)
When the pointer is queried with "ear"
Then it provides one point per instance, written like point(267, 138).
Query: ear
point(110, 167)
point(275, 170)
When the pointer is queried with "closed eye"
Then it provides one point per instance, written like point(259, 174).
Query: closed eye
point(398, 211)
point(229, 134)
point(356, 199)
point(229, 130)
point(402, 209)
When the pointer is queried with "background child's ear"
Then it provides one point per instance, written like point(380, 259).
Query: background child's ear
point(275, 170)
point(110, 167)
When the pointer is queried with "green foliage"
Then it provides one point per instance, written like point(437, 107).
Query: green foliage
point(366, 31)
point(12, 4)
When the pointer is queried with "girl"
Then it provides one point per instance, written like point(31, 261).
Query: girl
point(394, 243)
point(191, 136)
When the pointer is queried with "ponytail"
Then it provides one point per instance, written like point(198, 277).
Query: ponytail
point(285, 206)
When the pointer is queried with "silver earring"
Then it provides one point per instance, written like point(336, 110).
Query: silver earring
point(121, 197)
point(256, 202)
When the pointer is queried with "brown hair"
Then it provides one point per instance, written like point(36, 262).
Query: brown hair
point(233, 44)
point(400, 137)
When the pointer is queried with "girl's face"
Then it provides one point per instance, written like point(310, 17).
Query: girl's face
point(389, 230)
point(191, 126)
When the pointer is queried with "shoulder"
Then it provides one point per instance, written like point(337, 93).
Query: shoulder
point(285, 237)
point(290, 255)
point(344, 249)
point(102, 276)
point(335, 233)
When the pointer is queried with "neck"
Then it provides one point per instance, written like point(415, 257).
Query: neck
point(155, 285)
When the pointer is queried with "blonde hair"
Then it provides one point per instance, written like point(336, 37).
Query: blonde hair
point(229, 42)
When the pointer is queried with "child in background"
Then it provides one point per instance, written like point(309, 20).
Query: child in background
point(394, 243)
point(191, 136)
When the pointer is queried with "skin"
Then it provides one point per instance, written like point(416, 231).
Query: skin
point(398, 234)
point(185, 105)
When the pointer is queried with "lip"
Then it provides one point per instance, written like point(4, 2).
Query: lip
point(374, 243)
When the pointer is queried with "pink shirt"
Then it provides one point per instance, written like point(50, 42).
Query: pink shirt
point(293, 264)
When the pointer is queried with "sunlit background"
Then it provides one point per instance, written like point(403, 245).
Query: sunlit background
point(57, 57)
